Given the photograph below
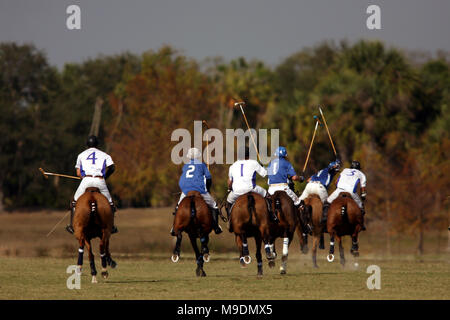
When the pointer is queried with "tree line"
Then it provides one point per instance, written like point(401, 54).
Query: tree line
point(384, 107)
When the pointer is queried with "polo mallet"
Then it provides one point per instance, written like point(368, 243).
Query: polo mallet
point(329, 135)
point(46, 174)
point(312, 141)
point(246, 122)
point(207, 144)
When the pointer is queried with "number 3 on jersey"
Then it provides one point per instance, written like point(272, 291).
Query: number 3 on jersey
point(92, 157)
point(189, 172)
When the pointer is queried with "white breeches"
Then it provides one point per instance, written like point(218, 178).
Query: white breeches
point(206, 196)
point(336, 193)
point(232, 196)
point(315, 188)
point(91, 182)
point(285, 188)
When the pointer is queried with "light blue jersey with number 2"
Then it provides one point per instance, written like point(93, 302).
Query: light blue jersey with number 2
point(193, 177)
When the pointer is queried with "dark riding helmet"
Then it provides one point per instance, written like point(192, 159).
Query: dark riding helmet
point(92, 142)
point(355, 165)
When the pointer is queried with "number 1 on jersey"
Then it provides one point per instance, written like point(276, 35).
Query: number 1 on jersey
point(242, 169)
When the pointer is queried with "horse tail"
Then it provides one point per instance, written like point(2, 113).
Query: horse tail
point(250, 206)
point(278, 204)
point(93, 211)
point(344, 211)
point(193, 210)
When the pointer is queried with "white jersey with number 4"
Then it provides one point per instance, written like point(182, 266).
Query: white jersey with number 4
point(93, 162)
point(349, 180)
point(243, 175)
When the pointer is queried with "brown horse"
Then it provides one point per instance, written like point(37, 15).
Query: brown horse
point(344, 218)
point(93, 218)
point(193, 217)
point(249, 217)
point(288, 218)
point(314, 205)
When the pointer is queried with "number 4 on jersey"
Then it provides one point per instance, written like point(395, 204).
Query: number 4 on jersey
point(92, 157)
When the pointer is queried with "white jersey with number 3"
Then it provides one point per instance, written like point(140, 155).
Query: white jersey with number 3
point(243, 175)
point(93, 162)
point(349, 180)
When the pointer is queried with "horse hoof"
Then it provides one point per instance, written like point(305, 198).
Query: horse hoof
point(315, 266)
point(271, 264)
point(274, 255)
point(206, 257)
point(175, 258)
point(355, 253)
point(105, 274)
point(282, 271)
point(330, 257)
point(94, 279)
point(241, 261)
point(247, 259)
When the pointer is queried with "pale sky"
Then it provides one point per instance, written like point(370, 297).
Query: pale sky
point(269, 30)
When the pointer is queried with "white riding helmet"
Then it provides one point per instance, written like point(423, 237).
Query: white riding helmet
point(194, 153)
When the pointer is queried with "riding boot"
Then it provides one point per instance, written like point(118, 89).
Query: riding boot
point(363, 212)
point(113, 209)
point(215, 216)
point(69, 228)
point(228, 209)
point(326, 205)
point(272, 214)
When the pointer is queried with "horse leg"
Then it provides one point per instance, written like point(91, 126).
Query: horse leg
point(199, 257)
point(91, 261)
point(176, 250)
point(109, 260)
point(284, 256)
point(341, 250)
point(80, 256)
point(245, 251)
point(355, 247)
point(103, 256)
point(258, 242)
point(241, 251)
point(314, 250)
point(303, 243)
point(205, 251)
point(330, 256)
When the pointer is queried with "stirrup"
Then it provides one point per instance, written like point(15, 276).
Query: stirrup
point(69, 229)
point(114, 230)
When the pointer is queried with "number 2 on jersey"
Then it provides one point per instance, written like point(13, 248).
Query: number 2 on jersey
point(189, 172)
point(92, 157)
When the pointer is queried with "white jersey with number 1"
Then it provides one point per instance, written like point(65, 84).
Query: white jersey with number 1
point(243, 175)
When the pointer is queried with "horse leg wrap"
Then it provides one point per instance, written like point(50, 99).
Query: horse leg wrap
point(245, 249)
point(285, 246)
point(267, 249)
point(103, 257)
point(80, 256)
point(93, 269)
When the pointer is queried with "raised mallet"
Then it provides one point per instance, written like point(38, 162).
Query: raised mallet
point(310, 146)
point(329, 135)
point(246, 122)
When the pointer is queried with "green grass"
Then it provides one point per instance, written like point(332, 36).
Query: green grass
point(33, 266)
point(158, 278)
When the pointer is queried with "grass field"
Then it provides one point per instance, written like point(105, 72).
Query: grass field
point(33, 266)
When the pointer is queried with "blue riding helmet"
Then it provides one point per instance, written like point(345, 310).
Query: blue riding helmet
point(336, 164)
point(281, 152)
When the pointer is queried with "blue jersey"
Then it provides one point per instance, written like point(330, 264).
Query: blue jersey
point(279, 170)
point(193, 177)
point(324, 177)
